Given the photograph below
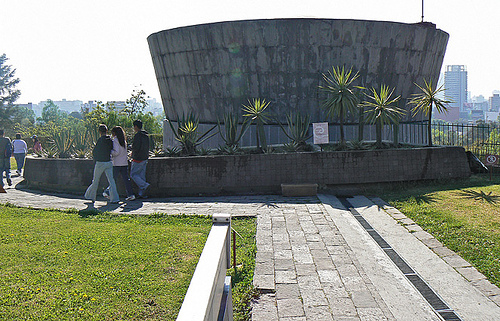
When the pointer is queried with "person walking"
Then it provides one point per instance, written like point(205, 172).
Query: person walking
point(120, 161)
point(5, 154)
point(19, 149)
point(103, 164)
point(37, 146)
point(140, 155)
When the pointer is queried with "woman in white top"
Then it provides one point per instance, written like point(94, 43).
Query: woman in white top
point(120, 161)
point(19, 149)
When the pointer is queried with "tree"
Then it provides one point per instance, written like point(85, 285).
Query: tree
point(426, 100)
point(24, 116)
point(342, 97)
point(381, 110)
point(8, 92)
point(52, 113)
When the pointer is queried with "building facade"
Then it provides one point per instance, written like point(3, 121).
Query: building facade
point(455, 86)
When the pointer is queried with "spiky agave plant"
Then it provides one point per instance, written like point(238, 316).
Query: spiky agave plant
point(63, 143)
point(233, 132)
point(297, 130)
point(187, 133)
point(256, 111)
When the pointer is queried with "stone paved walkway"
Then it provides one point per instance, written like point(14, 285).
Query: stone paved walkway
point(315, 262)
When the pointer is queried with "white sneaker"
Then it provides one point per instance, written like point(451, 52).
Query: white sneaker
point(130, 198)
point(105, 195)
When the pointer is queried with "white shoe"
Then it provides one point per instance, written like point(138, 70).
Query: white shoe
point(130, 198)
point(105, 195)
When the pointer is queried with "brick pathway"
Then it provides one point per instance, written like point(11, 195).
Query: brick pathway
point(302, 256)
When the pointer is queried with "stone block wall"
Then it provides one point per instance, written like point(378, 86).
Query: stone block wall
point(262, 173)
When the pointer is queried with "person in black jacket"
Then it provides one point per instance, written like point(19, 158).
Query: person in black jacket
point(140, 155)
point(102, 158)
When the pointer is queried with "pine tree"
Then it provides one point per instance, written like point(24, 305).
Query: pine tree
point(8, 92)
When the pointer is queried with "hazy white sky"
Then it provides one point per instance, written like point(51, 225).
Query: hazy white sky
point(97, 49)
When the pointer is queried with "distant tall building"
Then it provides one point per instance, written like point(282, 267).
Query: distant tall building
point(455, 87)
point(494, 102)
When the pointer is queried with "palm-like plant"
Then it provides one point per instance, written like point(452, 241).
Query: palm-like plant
point(341, 95)
point(256, 112)
point(298, 129)
point(381, 110)
point(426, 100)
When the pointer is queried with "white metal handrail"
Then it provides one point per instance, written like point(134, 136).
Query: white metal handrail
point(206, 290)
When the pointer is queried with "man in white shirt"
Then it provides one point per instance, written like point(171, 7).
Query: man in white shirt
point(20, 149)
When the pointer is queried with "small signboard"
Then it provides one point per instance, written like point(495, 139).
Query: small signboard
point(320, 133)
point(492, 160)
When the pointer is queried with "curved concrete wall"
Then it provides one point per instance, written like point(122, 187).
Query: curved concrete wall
point(214, 68)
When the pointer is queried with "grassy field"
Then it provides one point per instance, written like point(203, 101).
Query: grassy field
point(463, 214)
point(62, 266)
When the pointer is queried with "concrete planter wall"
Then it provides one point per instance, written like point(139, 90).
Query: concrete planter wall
point(263, 173)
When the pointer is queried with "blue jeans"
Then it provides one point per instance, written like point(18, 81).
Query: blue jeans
point(106, 168)
point(138, 174)
point(4, 167)
point(123, 172)
point(19, 160)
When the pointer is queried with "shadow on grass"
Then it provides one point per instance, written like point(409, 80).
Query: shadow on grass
point(479, 196)
point(424, 199)
point(406, 190)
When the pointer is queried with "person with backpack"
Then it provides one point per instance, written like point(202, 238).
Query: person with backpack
point(5, 154)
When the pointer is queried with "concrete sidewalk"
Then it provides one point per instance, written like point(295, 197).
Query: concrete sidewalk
point(317, 261)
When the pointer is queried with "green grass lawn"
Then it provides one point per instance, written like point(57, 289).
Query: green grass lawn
point(60, 266)
point(457, 214)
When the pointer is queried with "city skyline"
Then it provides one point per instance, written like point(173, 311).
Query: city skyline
point(77, 50)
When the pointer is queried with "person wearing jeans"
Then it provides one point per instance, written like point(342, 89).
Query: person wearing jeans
point(19, 151)
point(5, 152)
point(120, 161)
point(140, 155)
point(103, 164)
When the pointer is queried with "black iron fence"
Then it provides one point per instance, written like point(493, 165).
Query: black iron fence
point(480, 139)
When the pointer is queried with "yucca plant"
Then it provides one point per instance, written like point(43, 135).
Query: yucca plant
point(256, 112)
point(83, 141)
point(297, 130)
point(380, 110)
point(62, 142)
point(232, 131)
point(342, 96)
point(228, 150)
point(81, 153)
point(187, 133)
point(172, 151)
point(426, 100)
point(157, 152)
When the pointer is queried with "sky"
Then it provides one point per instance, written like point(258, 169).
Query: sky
point(97, 49)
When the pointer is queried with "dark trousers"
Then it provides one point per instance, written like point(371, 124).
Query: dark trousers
point(123, 171)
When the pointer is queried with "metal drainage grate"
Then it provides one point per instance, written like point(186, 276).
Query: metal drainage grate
point(439, 306)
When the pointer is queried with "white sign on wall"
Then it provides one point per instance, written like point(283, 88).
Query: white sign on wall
point(320, 133)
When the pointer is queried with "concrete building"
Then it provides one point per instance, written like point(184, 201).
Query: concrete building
point(494, 102)
point(455, 86)
point(214, 68)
